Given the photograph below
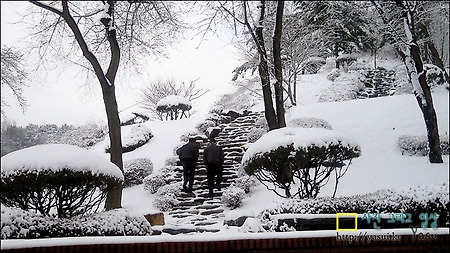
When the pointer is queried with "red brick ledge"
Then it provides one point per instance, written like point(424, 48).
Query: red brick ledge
point(407, 243)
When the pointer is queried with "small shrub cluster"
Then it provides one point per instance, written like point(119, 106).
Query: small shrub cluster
point(136, 170)
point(167, 196)
point(232, 197)
point(255, 133)
point(203, 127)
point(153, 182)
point(246, 183)
point(415, 201)
point(335, 73)
point(345, 87)
point(259, 128)
point(310, 122)
point(133, 137)
point(418, 145)
point(435, 76)
point(185, 137)
point(19, 224)
point(345, 60)
point(312, 65)
point(172, 161)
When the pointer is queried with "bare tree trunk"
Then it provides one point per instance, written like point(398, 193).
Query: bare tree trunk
point(279, 101)
point(263, 68)
point(422, 91)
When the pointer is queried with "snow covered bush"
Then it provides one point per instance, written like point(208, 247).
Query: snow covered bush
point(167, 196)
point(83, 136)
point(203, 126)
point(293, 155)
point(133, 137)
point(153, 182)
point(19, 224)
point(414, 201)
point(136, 170)
point(345, 60)
point(57, 178)
point(345, 87)
point(259, 128)
point(310, 123)
point(174, 107)
point(132, 118)
point(435, 76)
point(173, 160)
point(312, 65)
point(418, 145)
point(255, 133)
point(334, 73)
point(246, 183)
point(232, 197)
point(185, 137)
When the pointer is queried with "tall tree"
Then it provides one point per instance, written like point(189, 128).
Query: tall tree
point(258, 37)
point(343, 23)
point(122, 24)
point(403, 16)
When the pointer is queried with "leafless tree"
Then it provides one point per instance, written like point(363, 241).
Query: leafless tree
point(13, 76)
point(155, 91)
point(109, 34)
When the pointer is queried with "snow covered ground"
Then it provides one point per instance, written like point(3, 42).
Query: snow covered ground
point(374, 124)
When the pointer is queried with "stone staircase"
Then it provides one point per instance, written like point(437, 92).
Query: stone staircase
point(197, 212)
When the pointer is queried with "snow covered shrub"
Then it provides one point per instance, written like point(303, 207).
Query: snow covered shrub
point(185, 137)
point(246, 183)
point(435, 76)
point(310, 123)
point(418, 145)
point(83, 136)
point(291, 155)
point(232, 197)
point(414, 201)
point(153, 182)
point(19, 224)
point(202, 127)
point(312, 65)
point(345, 87)
point(136, 170)
point(345, 60)
point(334, 73)
point(172, 161)
point(259, 128)
point(133, 137)
point(174, 107)
point(60, 178)
point(167, 196)
point(255, 133)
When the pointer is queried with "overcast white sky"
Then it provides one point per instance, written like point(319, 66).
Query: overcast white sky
point(63, 98)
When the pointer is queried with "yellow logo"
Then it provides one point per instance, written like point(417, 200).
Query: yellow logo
point(346, 215)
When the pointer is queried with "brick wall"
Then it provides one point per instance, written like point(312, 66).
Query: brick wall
point(441, 243)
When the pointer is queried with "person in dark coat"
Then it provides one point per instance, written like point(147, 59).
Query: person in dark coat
point(188, 155)
point(213, 158)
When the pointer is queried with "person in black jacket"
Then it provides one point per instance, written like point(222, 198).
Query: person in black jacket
point(213, 158)
point(188, 155)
